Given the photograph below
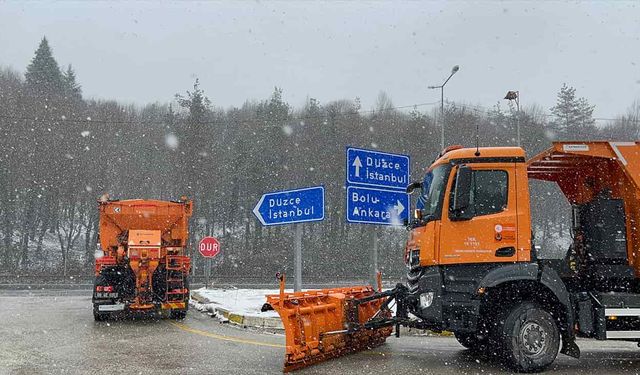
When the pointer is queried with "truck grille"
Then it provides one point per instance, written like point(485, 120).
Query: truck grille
point(413, 277)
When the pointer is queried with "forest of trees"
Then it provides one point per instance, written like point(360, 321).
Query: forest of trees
point(59, 152)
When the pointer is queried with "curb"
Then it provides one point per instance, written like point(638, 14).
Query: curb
point(234, 318)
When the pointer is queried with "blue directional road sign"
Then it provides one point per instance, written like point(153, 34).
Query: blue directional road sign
point(291, 206)
point(376, 206)
point(379, 169)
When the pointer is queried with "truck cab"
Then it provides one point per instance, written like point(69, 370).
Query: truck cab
point(473, 266)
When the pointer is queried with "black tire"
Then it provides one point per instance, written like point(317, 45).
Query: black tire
point(528, 337)
point(98, 316)
point(178, 314)
point(159, 284)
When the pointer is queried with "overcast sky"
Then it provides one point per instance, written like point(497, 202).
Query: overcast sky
point(145, 52)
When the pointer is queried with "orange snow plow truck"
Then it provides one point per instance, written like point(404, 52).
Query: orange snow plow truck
point(143, 268)
point(476, 269)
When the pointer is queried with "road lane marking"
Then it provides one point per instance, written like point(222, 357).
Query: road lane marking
point(186, 328)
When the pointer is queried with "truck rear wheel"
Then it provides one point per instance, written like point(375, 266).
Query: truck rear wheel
point(178, 314)
point(98, 316)
point(529, 337)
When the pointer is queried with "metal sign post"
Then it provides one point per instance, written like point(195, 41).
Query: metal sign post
point(209, 247)
point(208, 284)
point(374, 259)
point(297, 258)
point(292, 207)
point(376, 183)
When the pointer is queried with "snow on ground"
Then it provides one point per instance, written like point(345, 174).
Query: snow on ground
point(245, 302)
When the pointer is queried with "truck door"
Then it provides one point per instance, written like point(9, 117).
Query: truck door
point(487, 232)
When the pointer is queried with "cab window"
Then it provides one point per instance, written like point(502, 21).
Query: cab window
point(489, 192)
point(433, 188)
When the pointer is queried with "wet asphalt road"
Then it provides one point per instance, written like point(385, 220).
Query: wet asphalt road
point(53, 332)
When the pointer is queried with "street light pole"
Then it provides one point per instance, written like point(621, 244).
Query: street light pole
point(515, 95)
point(441, 87)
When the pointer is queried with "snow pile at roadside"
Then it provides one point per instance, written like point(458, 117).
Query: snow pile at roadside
point(208, 309)
point(247, 302)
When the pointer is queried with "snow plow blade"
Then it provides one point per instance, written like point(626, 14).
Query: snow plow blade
point(327, 323)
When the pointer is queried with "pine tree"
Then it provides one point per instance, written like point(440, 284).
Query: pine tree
point(275, 111)
point(43, 74)
point(194, 137)
point(72, 89)
point(573, 117)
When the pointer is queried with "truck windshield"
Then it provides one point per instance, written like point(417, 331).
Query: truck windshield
point(433, 186)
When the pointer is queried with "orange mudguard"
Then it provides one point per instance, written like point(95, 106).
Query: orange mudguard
point(319, 323)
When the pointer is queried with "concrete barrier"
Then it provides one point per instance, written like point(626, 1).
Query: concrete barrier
point(235, 318)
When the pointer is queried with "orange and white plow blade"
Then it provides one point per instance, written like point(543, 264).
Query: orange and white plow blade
point(318, 324)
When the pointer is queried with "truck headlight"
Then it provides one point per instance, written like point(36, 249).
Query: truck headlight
point(426, 299)
point(414, 258)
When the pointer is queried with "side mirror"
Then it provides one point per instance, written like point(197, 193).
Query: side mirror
point(462, 192)
point(413, 186)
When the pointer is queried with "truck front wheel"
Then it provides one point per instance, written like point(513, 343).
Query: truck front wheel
point(529, 337)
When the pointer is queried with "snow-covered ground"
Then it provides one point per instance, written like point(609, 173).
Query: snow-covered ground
point(245, 302)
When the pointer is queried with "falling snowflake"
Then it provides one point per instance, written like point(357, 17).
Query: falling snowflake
point(288, 130)
point(171, 141)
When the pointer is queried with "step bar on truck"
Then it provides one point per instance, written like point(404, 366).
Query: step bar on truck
point(622, 312)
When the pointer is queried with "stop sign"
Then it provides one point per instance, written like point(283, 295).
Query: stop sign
point(209, 247)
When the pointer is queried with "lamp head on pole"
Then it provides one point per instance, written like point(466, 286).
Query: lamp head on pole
point(511, 95)
point(455, 69)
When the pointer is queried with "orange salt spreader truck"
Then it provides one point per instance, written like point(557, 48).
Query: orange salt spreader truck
point(144, 268)
point(474, 266)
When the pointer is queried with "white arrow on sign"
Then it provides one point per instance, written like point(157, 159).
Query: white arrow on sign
point(399, 207)
point(358, 164)
point(256, 211)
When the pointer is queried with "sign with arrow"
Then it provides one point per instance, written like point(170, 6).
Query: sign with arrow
point(376, 183)
point(375, 168)
point(376, 192)
point(376, 206)
point(291, 206)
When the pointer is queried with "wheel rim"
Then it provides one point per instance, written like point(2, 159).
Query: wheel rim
point(533, 338)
